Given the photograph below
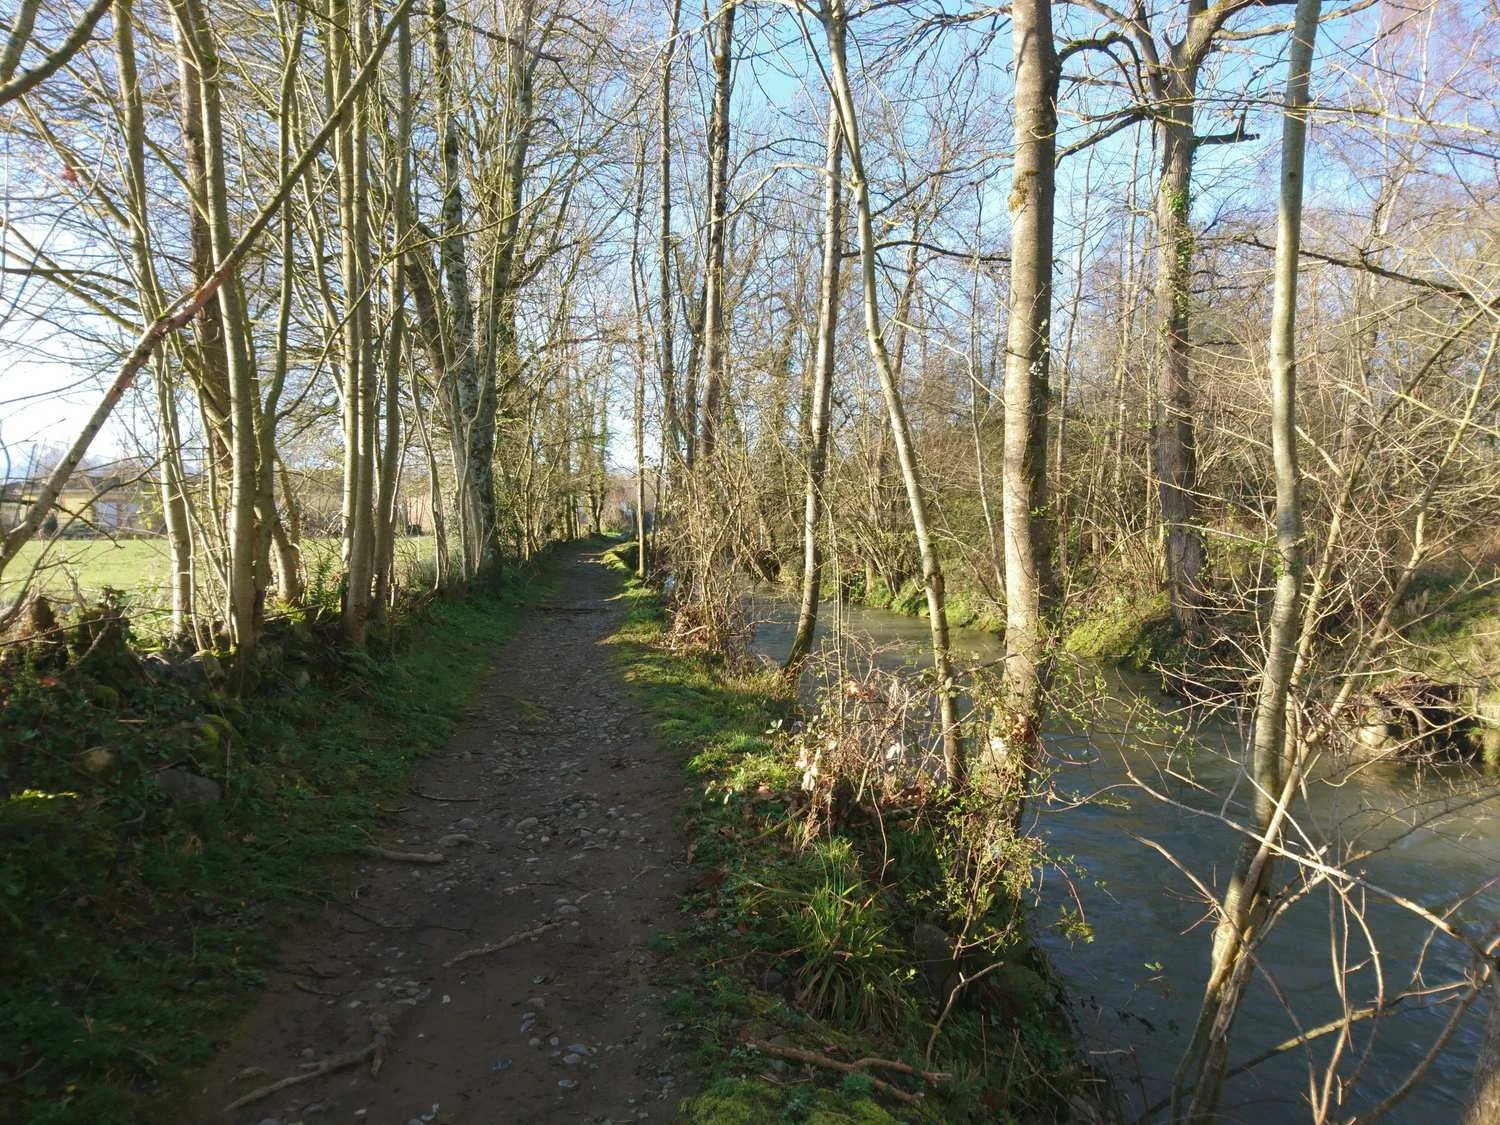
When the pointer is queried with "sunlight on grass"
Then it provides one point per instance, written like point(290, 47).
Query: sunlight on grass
point(141, 566)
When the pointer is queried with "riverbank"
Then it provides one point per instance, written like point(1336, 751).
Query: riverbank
point(814, 947)
point(1446, 644)
point(160, 836)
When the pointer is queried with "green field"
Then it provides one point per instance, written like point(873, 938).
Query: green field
point(140, 567)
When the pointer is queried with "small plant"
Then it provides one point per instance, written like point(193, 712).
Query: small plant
point(852, 968)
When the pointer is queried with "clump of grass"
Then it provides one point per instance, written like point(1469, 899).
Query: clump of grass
point(1130, 628)
point(853, 968)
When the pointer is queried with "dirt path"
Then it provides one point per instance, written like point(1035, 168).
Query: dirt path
point(570, 807)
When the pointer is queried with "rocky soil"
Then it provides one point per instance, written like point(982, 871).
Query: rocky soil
point(514, 981)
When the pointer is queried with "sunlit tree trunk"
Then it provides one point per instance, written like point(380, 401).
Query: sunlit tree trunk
point(148, 287)
point(1198, 1084)
point(671, 421)
point(638, 401)
point(458, 389)
point(287, 554)
point(1027, 360)
point(399, 186)
point(1484, 1103)
point(351, 148)
point(715, 356)
point(1175, 434)
point(203, 70)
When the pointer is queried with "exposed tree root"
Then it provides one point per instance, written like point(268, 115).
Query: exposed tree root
point(446, 800)
point(374, 1051)
point(859, 1066)
point(404, 857)
point(514, 939)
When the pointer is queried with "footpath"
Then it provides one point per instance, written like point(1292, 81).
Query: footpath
point(499, 966)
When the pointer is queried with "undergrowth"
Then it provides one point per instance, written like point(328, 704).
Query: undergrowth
point(135, 926)
point(822, 941)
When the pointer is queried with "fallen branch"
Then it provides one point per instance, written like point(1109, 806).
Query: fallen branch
point(446, 800)
point(404, 857)
point(374, 1051)
point(859, 1066)
point(514, 939)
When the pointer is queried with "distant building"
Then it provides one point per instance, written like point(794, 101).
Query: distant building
point(124, 499)
point(619, 506)
point(119, 499)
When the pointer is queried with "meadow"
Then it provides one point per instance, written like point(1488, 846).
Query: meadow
point(140, 567)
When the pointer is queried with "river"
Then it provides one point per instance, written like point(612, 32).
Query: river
point(1434, 836)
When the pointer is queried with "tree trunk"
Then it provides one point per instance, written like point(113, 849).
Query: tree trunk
point(1198, 1083)
point(932, 572)
point(152, 300)
point(399, 186)
point(1175, 439)
point(671, 421)
point(637, 284)
point(1484, 1103)
point(347, 31)
point(715, 357)
point(1027, 356)
point(196, 40)
point(459, 390)
point(820, 393)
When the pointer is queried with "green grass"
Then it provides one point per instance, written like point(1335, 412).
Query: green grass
point(141, 567)
point(809, 942)
point(134, 929)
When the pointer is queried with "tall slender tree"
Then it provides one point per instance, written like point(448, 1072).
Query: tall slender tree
point(1027, 363)
point(816, 430)
point(1274, 766)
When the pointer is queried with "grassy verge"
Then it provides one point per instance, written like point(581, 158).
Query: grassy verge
point(816, 943)
point(135, 925)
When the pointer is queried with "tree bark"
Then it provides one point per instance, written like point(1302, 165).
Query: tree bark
point(148, 288)
point(1484, 1103)
point(352, 169)
point(399, 188)
point(196, 39)
point(818, 398)
point(1027, 360)
point(1175, 434)
point(459, 390)
point(1198, 1083)
point(671, 420)
point(715, 356)
point(637, 284)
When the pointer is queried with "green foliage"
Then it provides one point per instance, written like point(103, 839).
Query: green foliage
point(133, 927)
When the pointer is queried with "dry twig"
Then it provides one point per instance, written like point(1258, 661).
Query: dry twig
point(496, 947)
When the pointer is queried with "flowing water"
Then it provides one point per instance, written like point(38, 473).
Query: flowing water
point(1434, 838)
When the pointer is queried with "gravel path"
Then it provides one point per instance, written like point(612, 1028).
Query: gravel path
point(558, 817)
